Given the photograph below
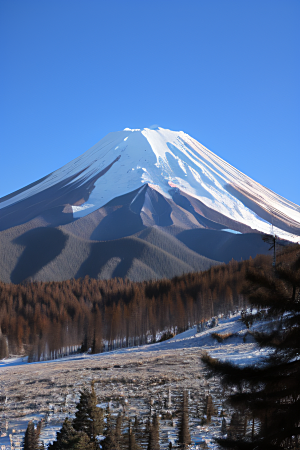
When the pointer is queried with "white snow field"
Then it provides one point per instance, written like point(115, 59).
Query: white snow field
point(167, 159)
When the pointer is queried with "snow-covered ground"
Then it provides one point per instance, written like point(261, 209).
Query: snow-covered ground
point(134, 373)
point(167, 159)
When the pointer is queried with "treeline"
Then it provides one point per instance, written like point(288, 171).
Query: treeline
point(48, 319)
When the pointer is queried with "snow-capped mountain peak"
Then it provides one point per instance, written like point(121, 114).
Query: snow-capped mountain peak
point(166, 160)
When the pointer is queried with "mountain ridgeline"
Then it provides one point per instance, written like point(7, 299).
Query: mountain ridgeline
point(141, 204)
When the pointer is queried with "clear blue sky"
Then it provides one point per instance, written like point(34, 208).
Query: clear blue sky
point(226, 72)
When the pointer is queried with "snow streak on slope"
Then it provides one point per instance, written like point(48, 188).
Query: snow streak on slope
point(166, 160)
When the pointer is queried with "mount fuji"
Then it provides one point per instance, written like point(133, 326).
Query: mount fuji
point(141, 203)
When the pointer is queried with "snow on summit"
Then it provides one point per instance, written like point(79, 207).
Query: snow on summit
point(124, 161)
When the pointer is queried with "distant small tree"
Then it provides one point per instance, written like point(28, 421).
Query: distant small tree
point(66, 438)
point(223, 427)
point(31, 438)
point(137, 430)
point(132, 444)
point(88, 417)
point(209, 408)
point(110, 442)
point(93, 348)
point(184, 437)
point(153, 441)
point(118, 431)
point(82, 432)
point(84, 443)
point(236, 427)
point(3, 346)
point(85, 345)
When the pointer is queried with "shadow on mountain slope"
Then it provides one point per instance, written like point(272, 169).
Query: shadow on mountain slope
point(222, 245)
point(170, 244)
point(117, 224)
point(133, 258)
point(42, 245)
point(131, 213)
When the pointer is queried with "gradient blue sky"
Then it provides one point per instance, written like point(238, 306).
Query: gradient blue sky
point(224, 71)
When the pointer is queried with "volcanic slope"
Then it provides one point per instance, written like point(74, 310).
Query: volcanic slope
point(142, 204)
point(47, 254)
point(96, 245)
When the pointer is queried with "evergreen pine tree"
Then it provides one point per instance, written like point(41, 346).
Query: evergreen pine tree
point(93, 348)
point(132, 442)
point(84, 443)
point(85, 345)
point(184, 437)
point(148, 425)
point(88, 417)
point(236, 428)
point(153, 441)
point(118, 432)
point(209, 408)
point(269, 393)
point(131, 439)
point(137, 430)
point(110, 442)
point(66, 438)
point(223, 427)
point(81, 422)
point(31, 438)
point(96, 414)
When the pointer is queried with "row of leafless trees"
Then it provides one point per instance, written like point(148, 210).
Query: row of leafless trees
point(48, 319)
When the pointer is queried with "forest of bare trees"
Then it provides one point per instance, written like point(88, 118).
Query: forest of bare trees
point(47, 319)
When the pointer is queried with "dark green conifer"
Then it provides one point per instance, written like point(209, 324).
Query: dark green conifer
point(184, 437)
point(137, 430)
point(96, 414)
point(269, 392)
point(153, 441)
point(236, 428)
point(82, 419)
point(223, 427)
point(209, 408)
point(84, 443)
point(132, 442)
point(66, 438)
point(85, 345)
point(118, 431)
point(88, 417)
point(131, 438)
point(110, 442)
point(31, 438)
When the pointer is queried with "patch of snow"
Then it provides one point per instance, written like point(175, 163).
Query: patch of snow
point(82, 207)
point(231, 231)
point(135, 197)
